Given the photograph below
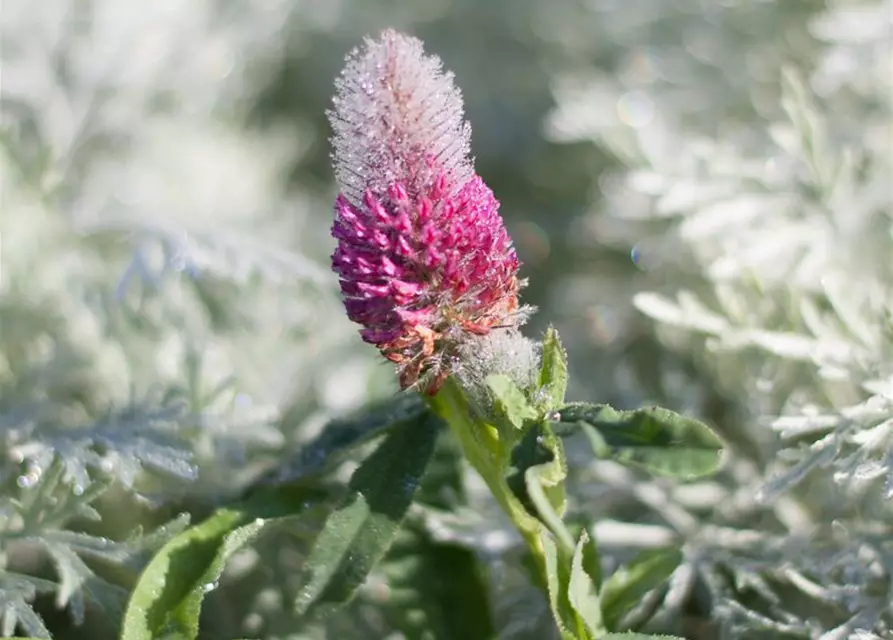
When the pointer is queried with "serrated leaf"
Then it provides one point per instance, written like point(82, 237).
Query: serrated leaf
point(552, 381)
point(582, 591)
point(656, 439)
point(438, 591)
point(168, 595)
point(361, 529)
point(510, 401)
point(626, 586)
point(556, 583)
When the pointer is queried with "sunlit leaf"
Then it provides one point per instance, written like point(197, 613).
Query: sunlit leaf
point(654, 438)
point(557, 579)
point(539, 460)
point(552, 381)
point(626, 586)
point(344, 434)
point(510, 401)
point(584, 582)
point(637, 636)
point(169, 593)
point(360, 530)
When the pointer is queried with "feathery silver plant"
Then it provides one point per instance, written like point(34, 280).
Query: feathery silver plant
point(771, 256)
point(129, 344)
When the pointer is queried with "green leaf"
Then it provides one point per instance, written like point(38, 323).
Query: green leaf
point(626, 587)
point(656, 439)
point(485, 451)
point(583, 587)
point(360, 530)
point(443, 485)
point(510, 401)
point(437, 591)
point(542, 497)
point(529, 452)
point(545, 486)
point(552, 382)
point(344, 434)
point(556, 581)
point(166, 600)
point(637, 636)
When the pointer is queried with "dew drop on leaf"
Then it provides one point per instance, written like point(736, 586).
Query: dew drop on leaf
point(208, 587)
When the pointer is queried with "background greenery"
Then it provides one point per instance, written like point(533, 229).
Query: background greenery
point(170, 330)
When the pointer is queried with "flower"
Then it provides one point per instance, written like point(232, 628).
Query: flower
point(423, 257)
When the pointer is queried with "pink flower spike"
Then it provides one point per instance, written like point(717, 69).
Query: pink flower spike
point(423, 257)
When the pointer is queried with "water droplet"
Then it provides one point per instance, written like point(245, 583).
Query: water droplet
point(638, 258)
point(210, 586)
point(409, 485)
point(635, 109)
point(30, 477)
point(243, 400)
point(77, 489)
point(178, 262)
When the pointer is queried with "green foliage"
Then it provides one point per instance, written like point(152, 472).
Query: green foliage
point(584, 585)
point(628, 585)
point(167, 599)
point(510, 402)
point(436, 590)
point(582, 604)
point(552, 379)
point(656, 439)
point(637, 636)
point(166, 602)
point(360, 530)
point(458, 603)
point(343, 435)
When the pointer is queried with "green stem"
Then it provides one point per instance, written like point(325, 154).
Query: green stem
point(490, 456)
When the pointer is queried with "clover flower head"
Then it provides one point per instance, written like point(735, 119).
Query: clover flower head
point(423, 257)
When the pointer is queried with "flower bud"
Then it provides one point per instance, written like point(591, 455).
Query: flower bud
point(423, 256)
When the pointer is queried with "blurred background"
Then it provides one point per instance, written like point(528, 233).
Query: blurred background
point(169, 318)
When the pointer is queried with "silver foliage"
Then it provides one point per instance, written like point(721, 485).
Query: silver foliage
point(157, 308)
point(769, 246)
